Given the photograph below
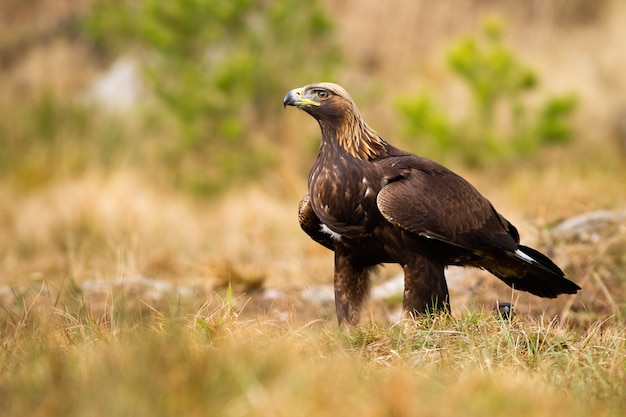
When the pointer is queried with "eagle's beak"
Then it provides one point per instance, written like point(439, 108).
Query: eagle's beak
point(298, 98)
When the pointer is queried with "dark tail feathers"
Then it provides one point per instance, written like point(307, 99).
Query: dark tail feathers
point(530, 270)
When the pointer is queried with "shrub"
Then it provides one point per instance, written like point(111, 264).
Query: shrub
point(48, 138)
point(217, 68)
point(500, 125)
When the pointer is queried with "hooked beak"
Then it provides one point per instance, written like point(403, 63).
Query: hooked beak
point(298, 97)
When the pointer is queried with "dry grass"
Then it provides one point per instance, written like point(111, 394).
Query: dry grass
point(69, 362)
point(81, 335)
point(121, 296)
point(116, 229)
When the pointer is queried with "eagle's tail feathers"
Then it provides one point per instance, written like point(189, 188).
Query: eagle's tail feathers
point(530, 270)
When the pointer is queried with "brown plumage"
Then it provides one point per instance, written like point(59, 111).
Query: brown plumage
point(373, 203)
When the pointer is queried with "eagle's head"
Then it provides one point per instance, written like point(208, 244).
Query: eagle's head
point(340, 120)
point(326, 102)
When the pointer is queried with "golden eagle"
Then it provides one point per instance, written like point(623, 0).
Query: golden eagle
point(373, 203)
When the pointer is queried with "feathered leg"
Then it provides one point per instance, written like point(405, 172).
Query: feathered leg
point(425, 288)
point(352, 283)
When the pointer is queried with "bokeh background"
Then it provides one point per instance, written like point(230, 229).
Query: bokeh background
point(146, 158)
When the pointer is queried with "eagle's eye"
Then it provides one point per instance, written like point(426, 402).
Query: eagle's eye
point(323, 94)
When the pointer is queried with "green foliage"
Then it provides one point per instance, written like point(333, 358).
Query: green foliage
point(491, 71)
point(500, 124)
point(217, 68)
point(48, 138)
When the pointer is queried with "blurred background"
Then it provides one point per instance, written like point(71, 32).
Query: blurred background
point(146, 156)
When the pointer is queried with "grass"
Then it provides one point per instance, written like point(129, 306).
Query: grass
point(84, 330)
point(66, 361)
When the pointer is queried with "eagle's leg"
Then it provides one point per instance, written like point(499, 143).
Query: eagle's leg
point(352, 283)
point(425, 288)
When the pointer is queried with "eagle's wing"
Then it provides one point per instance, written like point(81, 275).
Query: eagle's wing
point(312, 225)
point(429, 200)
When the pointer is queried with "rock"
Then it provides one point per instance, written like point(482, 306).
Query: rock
point(119, 89)
point(320, 294)
point(587, 226)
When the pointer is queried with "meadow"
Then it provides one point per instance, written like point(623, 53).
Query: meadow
point(131, 285)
